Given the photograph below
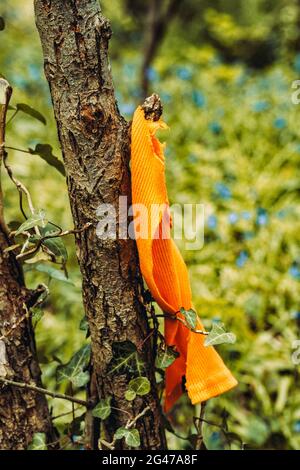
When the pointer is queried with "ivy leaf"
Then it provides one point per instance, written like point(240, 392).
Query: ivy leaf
point(37, 219)
point(83, 325)
point(52, 272)
point(166, 355)
point(130, 395)
point(132, 436)
point(140, 385)
point(2, 23)
point(103, 409)
point(218, 335)
point(81, 379)
point(125, 359)
point(45, 151)
point(190, 317)
point(38, 442)
point(57, 247)
point(73, 371)
point(36, 315)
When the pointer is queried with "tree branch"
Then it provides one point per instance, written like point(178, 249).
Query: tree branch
point(44, 391)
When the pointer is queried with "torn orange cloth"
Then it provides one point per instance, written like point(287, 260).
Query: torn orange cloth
point(165, 272)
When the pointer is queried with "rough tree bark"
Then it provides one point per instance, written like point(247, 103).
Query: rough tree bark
point(22, 412)
point(95, 145)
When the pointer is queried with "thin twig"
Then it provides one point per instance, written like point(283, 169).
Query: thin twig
point(47, 237)
point(175, 317)
point(5, 94)
point(12, 117)
point(44, 391)
point(128, 425)
point(18, 150)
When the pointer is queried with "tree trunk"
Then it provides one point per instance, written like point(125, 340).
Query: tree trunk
point(22, 412)
point(95, 145)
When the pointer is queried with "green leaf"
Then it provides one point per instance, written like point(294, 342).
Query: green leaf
point(36, 315)
point(166, 355)
point(45, 151)
point(81, 379)
point(103, 409)
point(132, 436)
point(83, 325)
point(125, 359)
point(38, 442)
point(140, 385)
point(31, 112)
point(52, 272)
point(190, 317)
point(218, 335)
point(73, 371)
point(130, 395)
point(57, 247)
point(37, 219)
point(2, 23)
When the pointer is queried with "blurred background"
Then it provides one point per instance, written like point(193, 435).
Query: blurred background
point(224, 74)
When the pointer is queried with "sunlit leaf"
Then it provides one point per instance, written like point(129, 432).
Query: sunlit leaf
point(218, 335)
point(37, 219)
point(140, 385)
point(36, 315)
point(132, 436)
point(38, 442)
point(130, 395)
point(73, 371)
point(190, 317)
point(103, 409)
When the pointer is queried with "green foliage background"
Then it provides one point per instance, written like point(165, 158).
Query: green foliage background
point(234, 146)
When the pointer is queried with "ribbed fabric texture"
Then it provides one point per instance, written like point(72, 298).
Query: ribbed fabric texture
point(165, 272)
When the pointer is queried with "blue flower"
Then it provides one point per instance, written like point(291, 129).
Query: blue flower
point(262, 216)
point(129, 71)
point(184, 73)
point(279, 123)
point(297, 426)
point(246, 215)
point(242, 258)
point(152, 75)
point(294, 271)
point(198, 98)
point(212, 221)
point(222, 191)
point(260, 106)
point(215, 127)
point(166, 97)
point(233, 218)
point(296, 316)
point(34, 71)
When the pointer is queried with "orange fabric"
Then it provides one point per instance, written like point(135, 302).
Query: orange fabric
point(165, 272)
